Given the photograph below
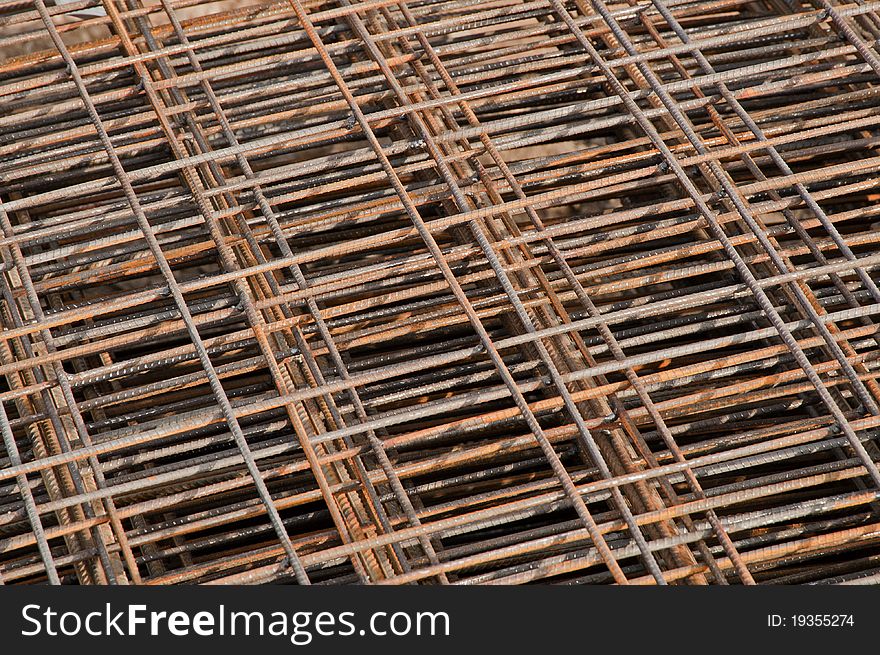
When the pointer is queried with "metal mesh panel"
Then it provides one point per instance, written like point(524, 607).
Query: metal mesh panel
point(439, 291)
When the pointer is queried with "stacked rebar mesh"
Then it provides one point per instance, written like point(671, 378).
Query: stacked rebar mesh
point(466, 291)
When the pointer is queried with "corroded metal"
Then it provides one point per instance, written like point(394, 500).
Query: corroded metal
point(445, 292)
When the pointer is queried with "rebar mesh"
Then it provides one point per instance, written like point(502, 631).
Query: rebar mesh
point(439, 291)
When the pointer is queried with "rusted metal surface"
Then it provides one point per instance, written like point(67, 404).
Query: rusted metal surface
point(441, 292)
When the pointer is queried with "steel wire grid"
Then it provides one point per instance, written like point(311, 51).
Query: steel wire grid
point(439, 291)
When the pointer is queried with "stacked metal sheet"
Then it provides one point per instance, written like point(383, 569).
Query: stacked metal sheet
point(468, 292)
